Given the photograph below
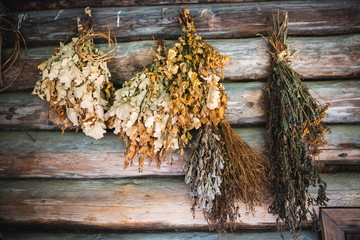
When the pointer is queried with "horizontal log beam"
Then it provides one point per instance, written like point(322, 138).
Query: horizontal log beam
point(319, 58)
point(28, 235)
point(225, 20)
point(133, 204)
point(51, 155)
point(20, 5)
point(245, 107)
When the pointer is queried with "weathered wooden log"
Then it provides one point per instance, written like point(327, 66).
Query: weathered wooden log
point(132, 204)
point(25, 111)
point(319, 58)
point(28, 235)
point(73, 155)
point(226, 20)
point(21, 5)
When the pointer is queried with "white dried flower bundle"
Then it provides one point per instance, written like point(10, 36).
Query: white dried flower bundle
point(75, 88)
point(140, 113)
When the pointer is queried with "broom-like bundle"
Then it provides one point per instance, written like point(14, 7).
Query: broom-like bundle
point(244, 178)
point(296, 132)
point(76, 82)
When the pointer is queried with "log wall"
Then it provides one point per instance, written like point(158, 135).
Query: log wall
point(72, 182)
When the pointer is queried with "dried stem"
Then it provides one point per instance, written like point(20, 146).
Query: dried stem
point(7, 65)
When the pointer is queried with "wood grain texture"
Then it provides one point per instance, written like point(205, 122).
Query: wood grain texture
point(131, 204)
point(319, 58)
point(225, 20)
point(338, 222)
point(74, 155)
point(22, 5)
point(304, 234)
point(21, 110)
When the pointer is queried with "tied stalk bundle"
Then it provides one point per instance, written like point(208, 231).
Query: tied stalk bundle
point(296, 133)
point(219, 175)
point(140, 113)
point(76, 81)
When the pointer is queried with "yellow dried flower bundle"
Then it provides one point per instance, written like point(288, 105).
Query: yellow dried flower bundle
point(195, 72)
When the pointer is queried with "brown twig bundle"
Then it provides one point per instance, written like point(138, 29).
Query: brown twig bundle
point(248, 167)
point(7, 65)
point(244, 178)
point(296, 132)
point(88, 54)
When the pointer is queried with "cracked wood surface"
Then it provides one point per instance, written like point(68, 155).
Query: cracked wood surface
point(75, 155)
point(334, 57)
point(22, 110)
point(132, 204)
point(223, 20)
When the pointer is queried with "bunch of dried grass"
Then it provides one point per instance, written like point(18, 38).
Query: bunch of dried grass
point(296, 132)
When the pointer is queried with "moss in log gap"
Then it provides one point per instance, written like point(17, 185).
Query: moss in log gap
point(296, 133)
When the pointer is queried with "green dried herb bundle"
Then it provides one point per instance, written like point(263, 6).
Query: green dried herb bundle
point(140, 113)
point(205, 167)
point(219, 175)
point(296, 132)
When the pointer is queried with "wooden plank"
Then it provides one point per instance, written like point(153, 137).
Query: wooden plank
point(225, 20)
point(21, 5)
point(329, 228)
point(131, 204)
point(337, 223)
point(76, 156)
point(319, 58)
point(245, 107)
point(304, 234)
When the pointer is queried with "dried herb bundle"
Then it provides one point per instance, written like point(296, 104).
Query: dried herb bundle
point(296, 132)
point(76, 86)
point(195, 70)
point(140, 113)
point(204, 168)
point(222, 169)
point(247, 168)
